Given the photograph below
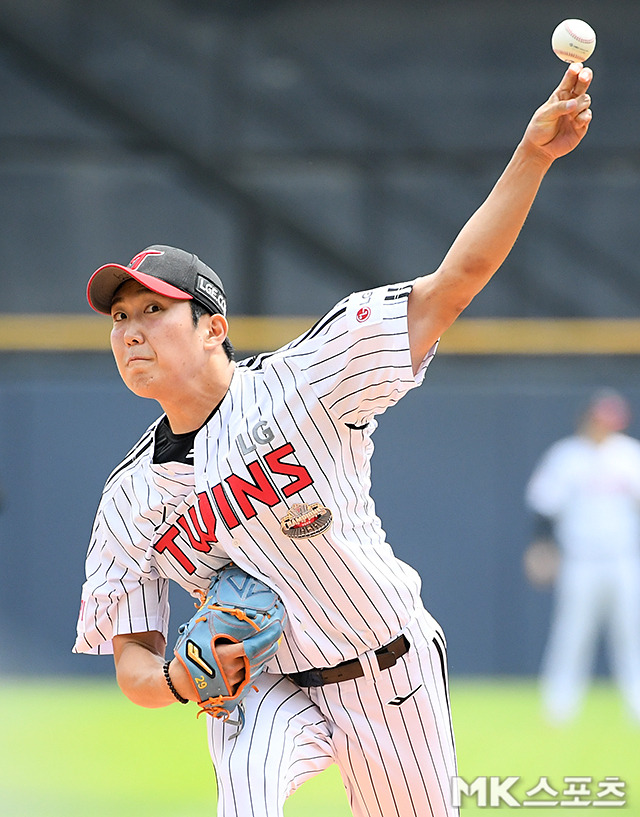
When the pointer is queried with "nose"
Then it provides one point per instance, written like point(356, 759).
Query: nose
point(132, 334)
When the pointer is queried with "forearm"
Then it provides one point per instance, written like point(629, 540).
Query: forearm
point(139, 670)
point(555, 129)
point(482, 245)
point(477, 253)
point(488, 237)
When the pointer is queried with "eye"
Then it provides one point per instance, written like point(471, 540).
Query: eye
point(118, 316)
point(153, 308)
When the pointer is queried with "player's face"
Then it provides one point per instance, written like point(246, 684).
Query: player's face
point(157, 349)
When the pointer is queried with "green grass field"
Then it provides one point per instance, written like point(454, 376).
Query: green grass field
point(80, 748)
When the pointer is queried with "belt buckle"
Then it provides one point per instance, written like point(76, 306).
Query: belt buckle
point(313, 678)
point(389, 654)
point(386, 656)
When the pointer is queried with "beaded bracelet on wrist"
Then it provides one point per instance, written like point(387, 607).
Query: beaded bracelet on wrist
point(176, 694)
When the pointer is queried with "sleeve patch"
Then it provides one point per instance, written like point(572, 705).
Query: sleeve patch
point(365, 308)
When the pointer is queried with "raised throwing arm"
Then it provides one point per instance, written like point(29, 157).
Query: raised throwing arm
point(482, 245)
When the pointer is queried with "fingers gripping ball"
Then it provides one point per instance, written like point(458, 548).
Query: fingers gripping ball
point(236, 608)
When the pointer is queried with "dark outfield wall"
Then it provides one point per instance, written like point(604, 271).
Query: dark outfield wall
point(449, 471)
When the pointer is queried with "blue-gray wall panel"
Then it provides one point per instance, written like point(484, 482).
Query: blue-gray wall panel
point(449, 470)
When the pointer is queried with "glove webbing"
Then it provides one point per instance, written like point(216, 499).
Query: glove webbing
point(234, 611)
point(240, 614)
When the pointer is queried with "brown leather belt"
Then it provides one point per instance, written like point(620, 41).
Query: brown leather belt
point(387, 657)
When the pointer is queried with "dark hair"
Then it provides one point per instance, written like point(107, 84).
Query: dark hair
point(197, 311)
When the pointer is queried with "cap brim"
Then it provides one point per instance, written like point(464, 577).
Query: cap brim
point(105, 281)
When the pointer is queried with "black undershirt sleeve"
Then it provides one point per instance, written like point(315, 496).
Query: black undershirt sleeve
point(543, 527)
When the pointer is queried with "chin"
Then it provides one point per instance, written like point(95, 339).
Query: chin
point(141, 386)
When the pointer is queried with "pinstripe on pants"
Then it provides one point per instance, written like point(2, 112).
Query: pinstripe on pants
point(395, 761)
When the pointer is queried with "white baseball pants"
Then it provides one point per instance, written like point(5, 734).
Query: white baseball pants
point(389, 732)
point(594, 598)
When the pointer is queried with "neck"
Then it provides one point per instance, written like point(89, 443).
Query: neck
point(189, 412)
point(596, 433)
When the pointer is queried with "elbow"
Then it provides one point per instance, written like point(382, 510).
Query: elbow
point(141, 695)
point(476, 268)
point(138, 664)
point(465, 281)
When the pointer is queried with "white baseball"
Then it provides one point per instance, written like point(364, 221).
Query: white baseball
point(573, 41)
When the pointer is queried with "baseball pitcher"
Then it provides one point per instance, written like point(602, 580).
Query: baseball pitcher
point(310, 644)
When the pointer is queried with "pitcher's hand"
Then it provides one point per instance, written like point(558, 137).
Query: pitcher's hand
point(560, 124)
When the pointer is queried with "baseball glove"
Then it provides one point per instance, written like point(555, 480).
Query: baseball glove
point(235, 608)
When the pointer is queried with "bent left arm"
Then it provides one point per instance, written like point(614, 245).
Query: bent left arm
point(482, 245)
point(139, 658)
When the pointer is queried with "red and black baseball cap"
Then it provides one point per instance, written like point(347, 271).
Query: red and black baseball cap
point(165, 270)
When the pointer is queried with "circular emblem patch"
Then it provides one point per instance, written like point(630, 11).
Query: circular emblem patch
point(306, 521)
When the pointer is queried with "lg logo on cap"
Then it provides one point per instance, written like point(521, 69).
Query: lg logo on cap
point(139, 258)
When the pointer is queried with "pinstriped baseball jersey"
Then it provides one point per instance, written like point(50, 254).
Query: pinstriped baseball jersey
point(280, 486)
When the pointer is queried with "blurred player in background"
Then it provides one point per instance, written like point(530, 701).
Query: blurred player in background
point(585, 492)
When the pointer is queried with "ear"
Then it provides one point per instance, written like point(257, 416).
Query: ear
point(215, 329)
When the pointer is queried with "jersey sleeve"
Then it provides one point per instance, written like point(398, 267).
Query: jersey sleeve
point(547, 488)
point(117, 597)
point(357, 358)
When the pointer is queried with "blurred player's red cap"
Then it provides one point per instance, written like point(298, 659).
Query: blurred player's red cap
point(162, 269)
